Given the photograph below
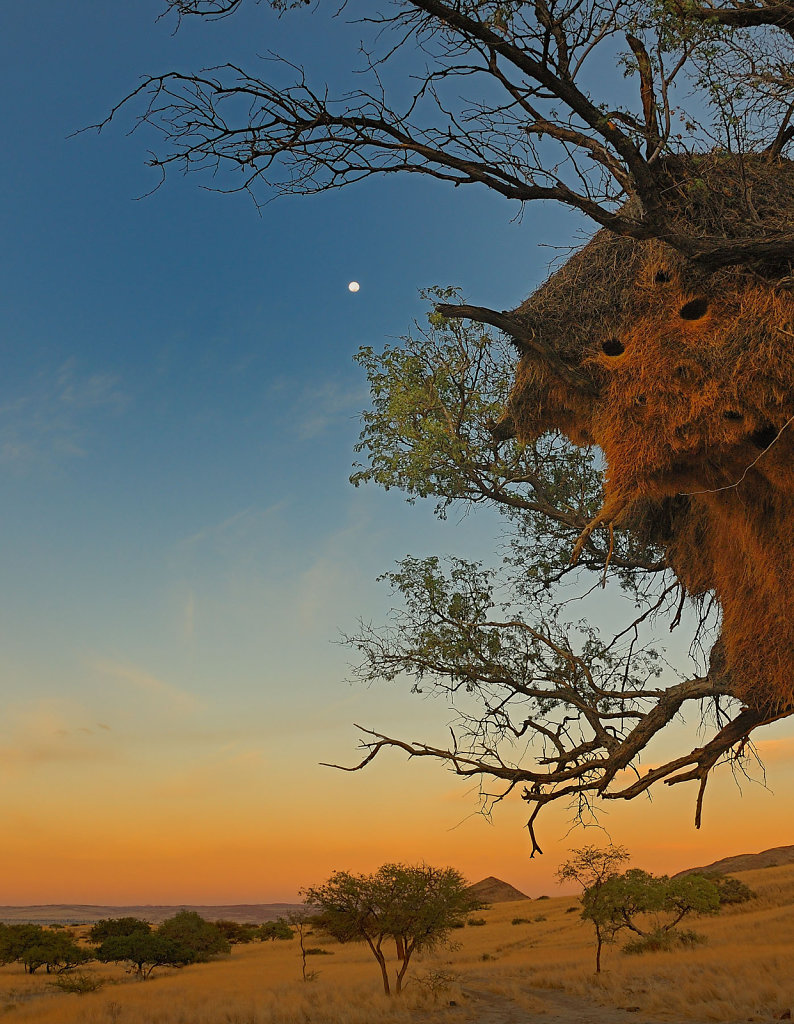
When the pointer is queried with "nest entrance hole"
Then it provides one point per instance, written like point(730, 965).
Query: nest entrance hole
point(612, 347)
point(695, 309)
point(763, 437)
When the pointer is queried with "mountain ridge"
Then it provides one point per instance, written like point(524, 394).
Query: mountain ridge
point(494, 890)
point(776, 856)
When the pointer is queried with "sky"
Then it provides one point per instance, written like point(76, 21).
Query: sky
point(181, 546)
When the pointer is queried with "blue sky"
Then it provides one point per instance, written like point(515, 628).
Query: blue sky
point(177, 415)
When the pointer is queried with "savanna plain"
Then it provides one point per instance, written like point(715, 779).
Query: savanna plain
point(500, 972)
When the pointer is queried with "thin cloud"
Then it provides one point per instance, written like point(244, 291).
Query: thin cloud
point(141, 681)
point(318, 407)
point(241, 525)
point(50, 417)
point(47, 732)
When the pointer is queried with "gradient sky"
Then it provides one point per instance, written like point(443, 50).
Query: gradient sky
point(180, 544)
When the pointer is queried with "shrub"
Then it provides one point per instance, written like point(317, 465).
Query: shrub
point(661, 941)
point(541, 917)
point(521, 920)
point(436, 981)
point(730, 889)
point(78, 984)
point(278, 929)
point(318, 951)
point(476, 922)
point(235, 933)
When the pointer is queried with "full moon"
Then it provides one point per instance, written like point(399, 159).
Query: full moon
point(353, 286)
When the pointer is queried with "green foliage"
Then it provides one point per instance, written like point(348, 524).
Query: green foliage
point(199, 939)
point(142, 952)
point(109, 927)
point(272, 930)
point(661, 941)
point(183, 939)
point(414, 905)
point(649, 906)
point(592, 867)
point(34, 947)
point(731, 890)
point(434, 399)
point(236, 933)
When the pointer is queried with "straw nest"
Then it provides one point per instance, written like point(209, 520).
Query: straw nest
point(693, 403)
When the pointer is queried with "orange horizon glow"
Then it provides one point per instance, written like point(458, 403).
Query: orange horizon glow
point(227, 852)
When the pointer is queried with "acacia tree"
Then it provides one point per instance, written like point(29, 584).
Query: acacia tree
point(660, 903)
point(502, 99)
point(592, 868)
point(416, 906)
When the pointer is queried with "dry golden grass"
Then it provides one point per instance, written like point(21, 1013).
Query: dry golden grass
point(544, 968)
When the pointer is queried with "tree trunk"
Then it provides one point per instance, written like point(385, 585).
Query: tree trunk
point(398, 939)
point(384, 972)
point(408, 948)
point(599, 944)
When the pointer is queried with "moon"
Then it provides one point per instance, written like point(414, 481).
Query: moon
point(353, 286)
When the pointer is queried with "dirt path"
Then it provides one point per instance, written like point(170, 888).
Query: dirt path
point(544, 1006)
point(553, 1006)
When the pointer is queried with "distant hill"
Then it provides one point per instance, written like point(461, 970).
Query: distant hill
point(82, 913)
point(494, 890)
point(773, 858)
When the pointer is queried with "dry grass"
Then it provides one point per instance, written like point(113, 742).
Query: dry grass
point(743, 972)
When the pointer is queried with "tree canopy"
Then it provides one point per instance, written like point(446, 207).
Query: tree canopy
point(644, 430)
point(416, 906)
point(592, 868)
point(35, 946)
point(183, 939)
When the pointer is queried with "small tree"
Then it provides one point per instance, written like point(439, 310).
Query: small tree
point(416, 906)
point(183, 939)
point(272, 930)
point(592, 867)
point(199, 939)
point(661, 903)
point(142, 951)
point(35, 946)
point(300, 920)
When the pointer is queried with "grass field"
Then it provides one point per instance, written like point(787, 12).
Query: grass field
point(499, 972)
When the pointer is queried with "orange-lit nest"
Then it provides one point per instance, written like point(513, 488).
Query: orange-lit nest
point(694, 376)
